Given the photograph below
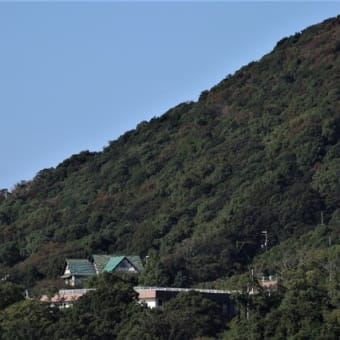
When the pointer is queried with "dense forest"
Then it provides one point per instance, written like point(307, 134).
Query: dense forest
point(246, 177)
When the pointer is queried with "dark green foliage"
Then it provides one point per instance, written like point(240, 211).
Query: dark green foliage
point(154, 273)
point(306, 307)
point(10, 254)
point(99, 314)
point(190, 316)
point(112, 312)
point(195, 188)
point(187, 316)
point(28, 320)
point(9, 294)
point(148, 324)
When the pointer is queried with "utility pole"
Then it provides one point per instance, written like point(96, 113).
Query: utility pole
point(265, 233)
point(330, 264)
point(252, 280)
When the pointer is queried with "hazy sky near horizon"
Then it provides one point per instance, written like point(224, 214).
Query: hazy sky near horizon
point(75, 75)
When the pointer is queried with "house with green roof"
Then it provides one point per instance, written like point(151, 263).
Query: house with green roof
point(119, 263)
point(76, 270)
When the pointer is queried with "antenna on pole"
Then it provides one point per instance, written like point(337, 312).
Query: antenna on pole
point(322, 218)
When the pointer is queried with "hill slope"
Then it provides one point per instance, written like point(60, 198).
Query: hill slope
point(196, 187)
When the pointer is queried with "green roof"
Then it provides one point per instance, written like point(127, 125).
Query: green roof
point(80, 267)
point(113, 263)
point(101, 261)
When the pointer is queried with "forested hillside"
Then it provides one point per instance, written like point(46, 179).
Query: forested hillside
point(195, 188)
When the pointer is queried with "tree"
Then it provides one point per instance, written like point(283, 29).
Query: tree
point(9, 294)
point(148, 324)
point(27, 319)
point(100, 313)
point(189, 315)
point(154, 273)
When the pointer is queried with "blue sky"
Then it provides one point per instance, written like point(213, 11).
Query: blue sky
point(74, 75)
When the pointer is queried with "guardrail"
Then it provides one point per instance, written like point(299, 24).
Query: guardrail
point(173, 289)
point(75, 291)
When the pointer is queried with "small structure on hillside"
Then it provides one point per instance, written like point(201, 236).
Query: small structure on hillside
point(157, 297)
point(269, 284)
point(153, 297)
point(65, 297)
point(76, 270)
point(110, 263)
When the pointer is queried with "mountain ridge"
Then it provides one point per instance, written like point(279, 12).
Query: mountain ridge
point(258, 151)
